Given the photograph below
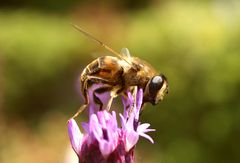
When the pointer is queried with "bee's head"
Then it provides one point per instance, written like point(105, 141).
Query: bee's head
point(155, 89)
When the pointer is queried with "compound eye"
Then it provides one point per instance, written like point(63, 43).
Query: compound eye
point(156, 84)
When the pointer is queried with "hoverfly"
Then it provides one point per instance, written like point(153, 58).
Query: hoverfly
point(117, 74)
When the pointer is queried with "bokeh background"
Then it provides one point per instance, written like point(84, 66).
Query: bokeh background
point(196, 44)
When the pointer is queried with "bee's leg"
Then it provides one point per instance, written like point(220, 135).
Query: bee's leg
point(124, 94)
point(135, 89)
point(83, 107)
point(109, 104)
point(113, 94)
point(134, 99)
point(80, 110)
point(142, 108)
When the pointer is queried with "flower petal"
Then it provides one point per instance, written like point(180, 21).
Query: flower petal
point(129, 124)
point(123, 122)
point(131, 139)
point(75, 135)
point(127, 103)
point(95, 128)
point(143, 127)
point(102, 118)
point(85, 127)
point(150, 130)
point(147, 137)
point(106, 148)
point(139, 101)
point(139, 98)
point(105, 130)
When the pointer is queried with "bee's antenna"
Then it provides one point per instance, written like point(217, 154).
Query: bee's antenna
point(99, 42)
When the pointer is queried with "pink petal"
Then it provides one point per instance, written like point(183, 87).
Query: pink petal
point(114, 117)
point(131, 139)
point(95, 128)
point(143, 127)
point(129, 124)
point(123, 122)
point(147, 137)
point(127, 101)
point(75, 135)
point(106, 148)
point(85, 127)
point(149, 130)
point(139, 98)
point(102, 118)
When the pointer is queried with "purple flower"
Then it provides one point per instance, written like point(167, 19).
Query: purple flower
point(103, 140)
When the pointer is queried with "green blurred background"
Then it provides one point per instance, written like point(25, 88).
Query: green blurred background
point(194, 43)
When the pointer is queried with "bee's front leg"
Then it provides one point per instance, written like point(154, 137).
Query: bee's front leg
point(134, 94)
point(112, 96)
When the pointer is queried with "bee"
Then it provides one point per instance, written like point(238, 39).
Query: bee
point(117, 74)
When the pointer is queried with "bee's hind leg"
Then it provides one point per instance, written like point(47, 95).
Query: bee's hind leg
point(80, 110)
point(84, 106)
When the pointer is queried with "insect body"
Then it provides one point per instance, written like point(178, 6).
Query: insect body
point(118, 74)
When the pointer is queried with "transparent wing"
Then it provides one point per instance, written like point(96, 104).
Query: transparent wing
point(125, 52)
